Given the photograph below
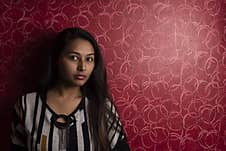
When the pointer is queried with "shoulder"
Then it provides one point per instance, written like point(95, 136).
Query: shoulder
point(28, 95)
point(26, 100)
point(111, 109)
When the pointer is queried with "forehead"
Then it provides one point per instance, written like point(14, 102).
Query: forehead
point(80, 46)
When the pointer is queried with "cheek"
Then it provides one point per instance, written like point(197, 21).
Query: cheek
point(66, 67)
point(91, 68)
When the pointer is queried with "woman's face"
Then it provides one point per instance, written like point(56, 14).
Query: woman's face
point(76, 63)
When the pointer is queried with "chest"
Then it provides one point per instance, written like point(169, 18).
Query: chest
point(43, 134)
point(63, 106)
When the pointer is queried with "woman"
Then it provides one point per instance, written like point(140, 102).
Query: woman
point(73, 109)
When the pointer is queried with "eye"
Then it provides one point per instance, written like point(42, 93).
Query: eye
point(75, 58)
point(89, 59)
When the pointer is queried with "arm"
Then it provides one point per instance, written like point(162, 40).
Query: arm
point(18, 134)
point(117, 137)
point(122, 144)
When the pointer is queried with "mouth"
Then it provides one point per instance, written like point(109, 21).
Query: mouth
point(80, 77)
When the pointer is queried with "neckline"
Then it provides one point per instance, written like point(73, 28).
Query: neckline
point(43, 96)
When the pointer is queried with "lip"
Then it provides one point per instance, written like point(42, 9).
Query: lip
point(80, 76)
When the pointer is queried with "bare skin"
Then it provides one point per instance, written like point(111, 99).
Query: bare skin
point(75, 66)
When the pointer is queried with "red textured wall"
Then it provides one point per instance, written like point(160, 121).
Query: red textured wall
point(166, 62)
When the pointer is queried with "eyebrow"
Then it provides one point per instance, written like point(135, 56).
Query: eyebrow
point(72, 52)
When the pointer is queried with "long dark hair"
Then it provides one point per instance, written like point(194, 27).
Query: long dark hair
point(95, 88)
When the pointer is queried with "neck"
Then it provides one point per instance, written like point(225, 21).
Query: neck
point(66, 91)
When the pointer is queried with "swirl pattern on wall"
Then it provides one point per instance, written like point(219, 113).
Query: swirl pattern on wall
point(166, 63)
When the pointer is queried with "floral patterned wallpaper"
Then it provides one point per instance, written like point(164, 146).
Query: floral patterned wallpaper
point(166, 64)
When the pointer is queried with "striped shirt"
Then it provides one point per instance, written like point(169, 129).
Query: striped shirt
point(35, 127)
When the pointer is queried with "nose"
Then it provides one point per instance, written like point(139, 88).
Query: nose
point(81, 65)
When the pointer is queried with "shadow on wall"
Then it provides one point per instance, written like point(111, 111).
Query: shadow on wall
point(26, 70)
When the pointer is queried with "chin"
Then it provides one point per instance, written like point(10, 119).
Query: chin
point(80, 83)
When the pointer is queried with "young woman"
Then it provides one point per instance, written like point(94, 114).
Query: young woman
point(72, 110)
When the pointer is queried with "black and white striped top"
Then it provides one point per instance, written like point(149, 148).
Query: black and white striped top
point(33, 127)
